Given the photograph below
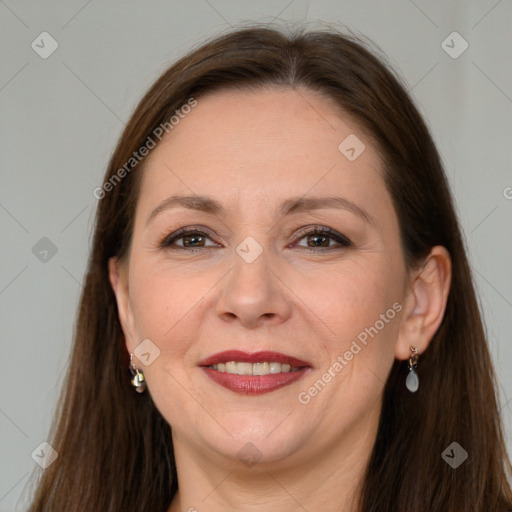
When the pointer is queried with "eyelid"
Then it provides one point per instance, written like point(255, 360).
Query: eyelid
point(324, 230)
point(181, 232)
point(309, 230)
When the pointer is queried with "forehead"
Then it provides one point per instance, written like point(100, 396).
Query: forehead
point(278, 142)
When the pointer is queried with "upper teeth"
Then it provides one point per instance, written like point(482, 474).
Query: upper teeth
point(253, 368)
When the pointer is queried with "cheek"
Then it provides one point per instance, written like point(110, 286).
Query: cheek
point(163, 302)
point(361, 308)
point(353, 298)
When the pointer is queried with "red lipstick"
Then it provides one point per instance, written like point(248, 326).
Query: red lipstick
point(254, 384)
point(255, 357)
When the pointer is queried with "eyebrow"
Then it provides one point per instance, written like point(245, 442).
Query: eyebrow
point(293, 205)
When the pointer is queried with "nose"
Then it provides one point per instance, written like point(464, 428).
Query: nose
point(254, 293)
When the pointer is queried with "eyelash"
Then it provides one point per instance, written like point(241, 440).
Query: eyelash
point(342, 240)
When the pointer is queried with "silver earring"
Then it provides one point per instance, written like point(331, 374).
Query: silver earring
point(412, 382)
point(138, 381)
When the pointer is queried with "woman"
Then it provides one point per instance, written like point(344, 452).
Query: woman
point(278, 312)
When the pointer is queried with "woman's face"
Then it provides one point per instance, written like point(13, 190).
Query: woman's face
point(269, 165)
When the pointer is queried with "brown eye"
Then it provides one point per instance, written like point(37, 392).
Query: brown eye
point(318, 239)
point(191, 239)
point(321, 237)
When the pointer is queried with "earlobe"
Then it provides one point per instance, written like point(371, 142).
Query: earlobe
point(425, 303)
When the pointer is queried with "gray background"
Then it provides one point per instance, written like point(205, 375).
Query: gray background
point(61, 117)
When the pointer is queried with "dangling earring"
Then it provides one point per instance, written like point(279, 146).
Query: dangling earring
point(412, 382)
point(138, 381)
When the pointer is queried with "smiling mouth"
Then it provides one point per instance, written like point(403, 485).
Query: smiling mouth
point(254, 374)
point(265, 368)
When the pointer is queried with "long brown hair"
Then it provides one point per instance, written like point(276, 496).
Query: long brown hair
point(115, 449)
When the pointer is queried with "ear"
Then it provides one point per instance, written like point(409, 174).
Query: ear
point(118, 275)
point(425, 303)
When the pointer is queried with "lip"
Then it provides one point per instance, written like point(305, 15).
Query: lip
point(254, 384)
point(256, 357)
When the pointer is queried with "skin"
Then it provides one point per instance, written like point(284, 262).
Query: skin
point(251, 151)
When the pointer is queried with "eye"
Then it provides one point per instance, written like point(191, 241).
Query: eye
point(319, 237)
point(191, 239)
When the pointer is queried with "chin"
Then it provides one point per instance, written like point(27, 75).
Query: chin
point(252, 442)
